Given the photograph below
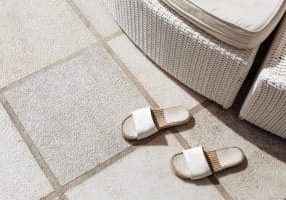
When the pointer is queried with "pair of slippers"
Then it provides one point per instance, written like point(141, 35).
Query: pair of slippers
point(194, 163)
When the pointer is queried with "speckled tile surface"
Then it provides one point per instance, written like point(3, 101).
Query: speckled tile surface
point(143, 174)
point(264, 174)
point(35, 34)
point(74, 112)
point(21, 177)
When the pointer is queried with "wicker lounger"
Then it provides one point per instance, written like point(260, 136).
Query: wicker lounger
point(205, 64)
point(265, 105)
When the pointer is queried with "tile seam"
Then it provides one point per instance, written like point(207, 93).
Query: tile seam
point(99, 167)
point(113, 36)
point(111, 52)
point(213, 179)
point(50, 196)
point(220, 188)
point(60, 61)
point(178, 135)
point(153, 103)
point(135, 81)
point(91, 172)
point(38, 157)
point(84, 19)
point(47, 68)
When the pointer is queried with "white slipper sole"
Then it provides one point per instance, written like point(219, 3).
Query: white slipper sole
point(161, 119)
point(199, 166)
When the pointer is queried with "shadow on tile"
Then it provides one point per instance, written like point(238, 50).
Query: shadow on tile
point(200, 182)
point(186, 127)
point(265, 141)
point(233, 170)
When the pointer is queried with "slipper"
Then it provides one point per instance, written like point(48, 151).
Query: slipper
point(195, 163)
point(145, 122)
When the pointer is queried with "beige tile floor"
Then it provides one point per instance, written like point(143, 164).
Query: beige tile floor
point(68, 77)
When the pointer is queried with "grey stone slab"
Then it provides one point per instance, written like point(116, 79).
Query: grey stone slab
point(264, 175)
point(36, 33)
point(21, 177)
point(74, 111)
point(143, 174)
point(164, 90)
point(98, 15)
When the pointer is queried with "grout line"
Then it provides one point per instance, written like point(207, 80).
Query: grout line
point(113, 36)
point(33, 149)
point(21, 129)
point(137, 83)
point(53, 195)
point(201, 106)
point(60, 190)
point(84, 19)
point(47, 68)
point(181, 139)
point(129, 74)
point(63, 197)
point(177, 134)
point(31, 145)
point(112, 53)
point(153, 103)
point(214, 180)
point(58, 62)
point(98, 168)
point(50, 196)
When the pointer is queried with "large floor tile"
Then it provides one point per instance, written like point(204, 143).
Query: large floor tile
point(74, 111)
point(143, 174)
point(21, 177)
point(162, 88)
point(36, 33)
point(265, 174)
point(98, 15)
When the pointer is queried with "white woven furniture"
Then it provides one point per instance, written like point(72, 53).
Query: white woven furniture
point(241, 23)
point(205, 64)
point(265, 105)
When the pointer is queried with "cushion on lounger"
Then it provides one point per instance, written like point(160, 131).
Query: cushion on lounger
point(241, 23)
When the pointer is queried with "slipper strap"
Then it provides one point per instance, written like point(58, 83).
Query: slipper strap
point(144, 123)
point(197, 163)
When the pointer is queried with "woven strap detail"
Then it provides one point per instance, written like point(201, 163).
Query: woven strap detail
point(213, 160)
